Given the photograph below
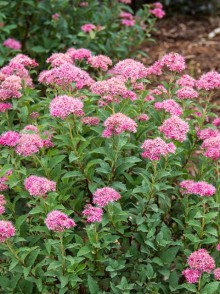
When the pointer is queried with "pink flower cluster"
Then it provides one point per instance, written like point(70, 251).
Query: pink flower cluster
point(12, 44)
point(88, 27)
point(154, 148)
point(55, 16)
point(10, 88)
point(157, 10)
point(198, 188)
point(216, 122)
point(105, 195)
point(186, 81)
point(174, 62)
point(111, 89)
point(79, 54)
point(39, 186)
point(187, 93)
point(58, 221)
point(207, 133)
point(7, 230)
point(90, 120)
point(130, 69)
point(64, 75)
point(9, 138)
point(199, 262)
point(170, 106)
point(117, 124)
point(209, 81)
point(2, 203)
point(125, 1)
point(93, 214)
point(175, 128)
point(5, 106)
point(100, 61)
point(142, 117)
point(127, 19)
point(62, 106)
point(4, 180)
point(57, 59)
point(212, 147)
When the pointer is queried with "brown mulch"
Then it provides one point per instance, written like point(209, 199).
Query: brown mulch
point(187, 36)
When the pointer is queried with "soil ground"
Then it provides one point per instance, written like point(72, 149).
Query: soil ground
point(188, 36)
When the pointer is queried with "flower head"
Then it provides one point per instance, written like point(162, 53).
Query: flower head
point(187, 93)
point(117, 124)
point(202, 261)
point(186, 81)
point(58, 221)
point(62, 106)
point(90, 120)
point(217, 274)
point(201, 188)
point(5, 106)
point(100, 61)
point(209, 81)
point(103, 196)
point(174, 62)
point(170, 106)
point(29, 144)
point(39, 186)
point(175, 128)
point(153, 149)
point(88, 27)
point(192, 275)
point(9, 138)
point(7, 230)
point(12, 44)
point(93, 214)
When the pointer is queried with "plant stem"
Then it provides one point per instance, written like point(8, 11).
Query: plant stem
point(62, 249)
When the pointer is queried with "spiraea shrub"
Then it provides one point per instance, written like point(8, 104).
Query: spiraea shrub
point(109, 176)
point(39, 28)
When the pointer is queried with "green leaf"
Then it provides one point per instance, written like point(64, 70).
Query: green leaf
point(93, 286)
point(83, 251)
point(211, 288)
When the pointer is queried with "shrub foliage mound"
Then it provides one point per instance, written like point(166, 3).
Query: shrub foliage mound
point(109, 177)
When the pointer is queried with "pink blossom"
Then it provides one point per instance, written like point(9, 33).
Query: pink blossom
point(7, 230)
point(2, 200)
point(29, 144)
point(207, 133)
point(55, 16)
point(126, 15)
point(9, 138)
point(212, 147)
point(209, 81)
point(217, 274)
point(10, 88)
point(79, 54)
point(65, 75)
point(18, 69)
point(202, 261)
point(117, 124)
point(125, 1)
point(58, 221)
point(130, 69)
point(187, 93)
point(155, 69)
point(216, 122)
point(93, 214)
point(186, 81)
point(3, 182)
point(200, 188)
point(84, 4)
point(2, 209)
point(158, 12)
point(174, 62)
point(12, 44)
point(62, 106)
point(128, 22)
point(30, 129)
point(192, 275)
point(103, 196)
point(86, 28)
point(154, 148)
point(34, 115)
point(90, 120)
point(175, 128)
point(39, 186)
point(170, 106)
point(100, 61)
point(142, 117)
point(24, 60)
point(57, 59)
point(5, 106)
point(218, 247)
point(157, 5)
